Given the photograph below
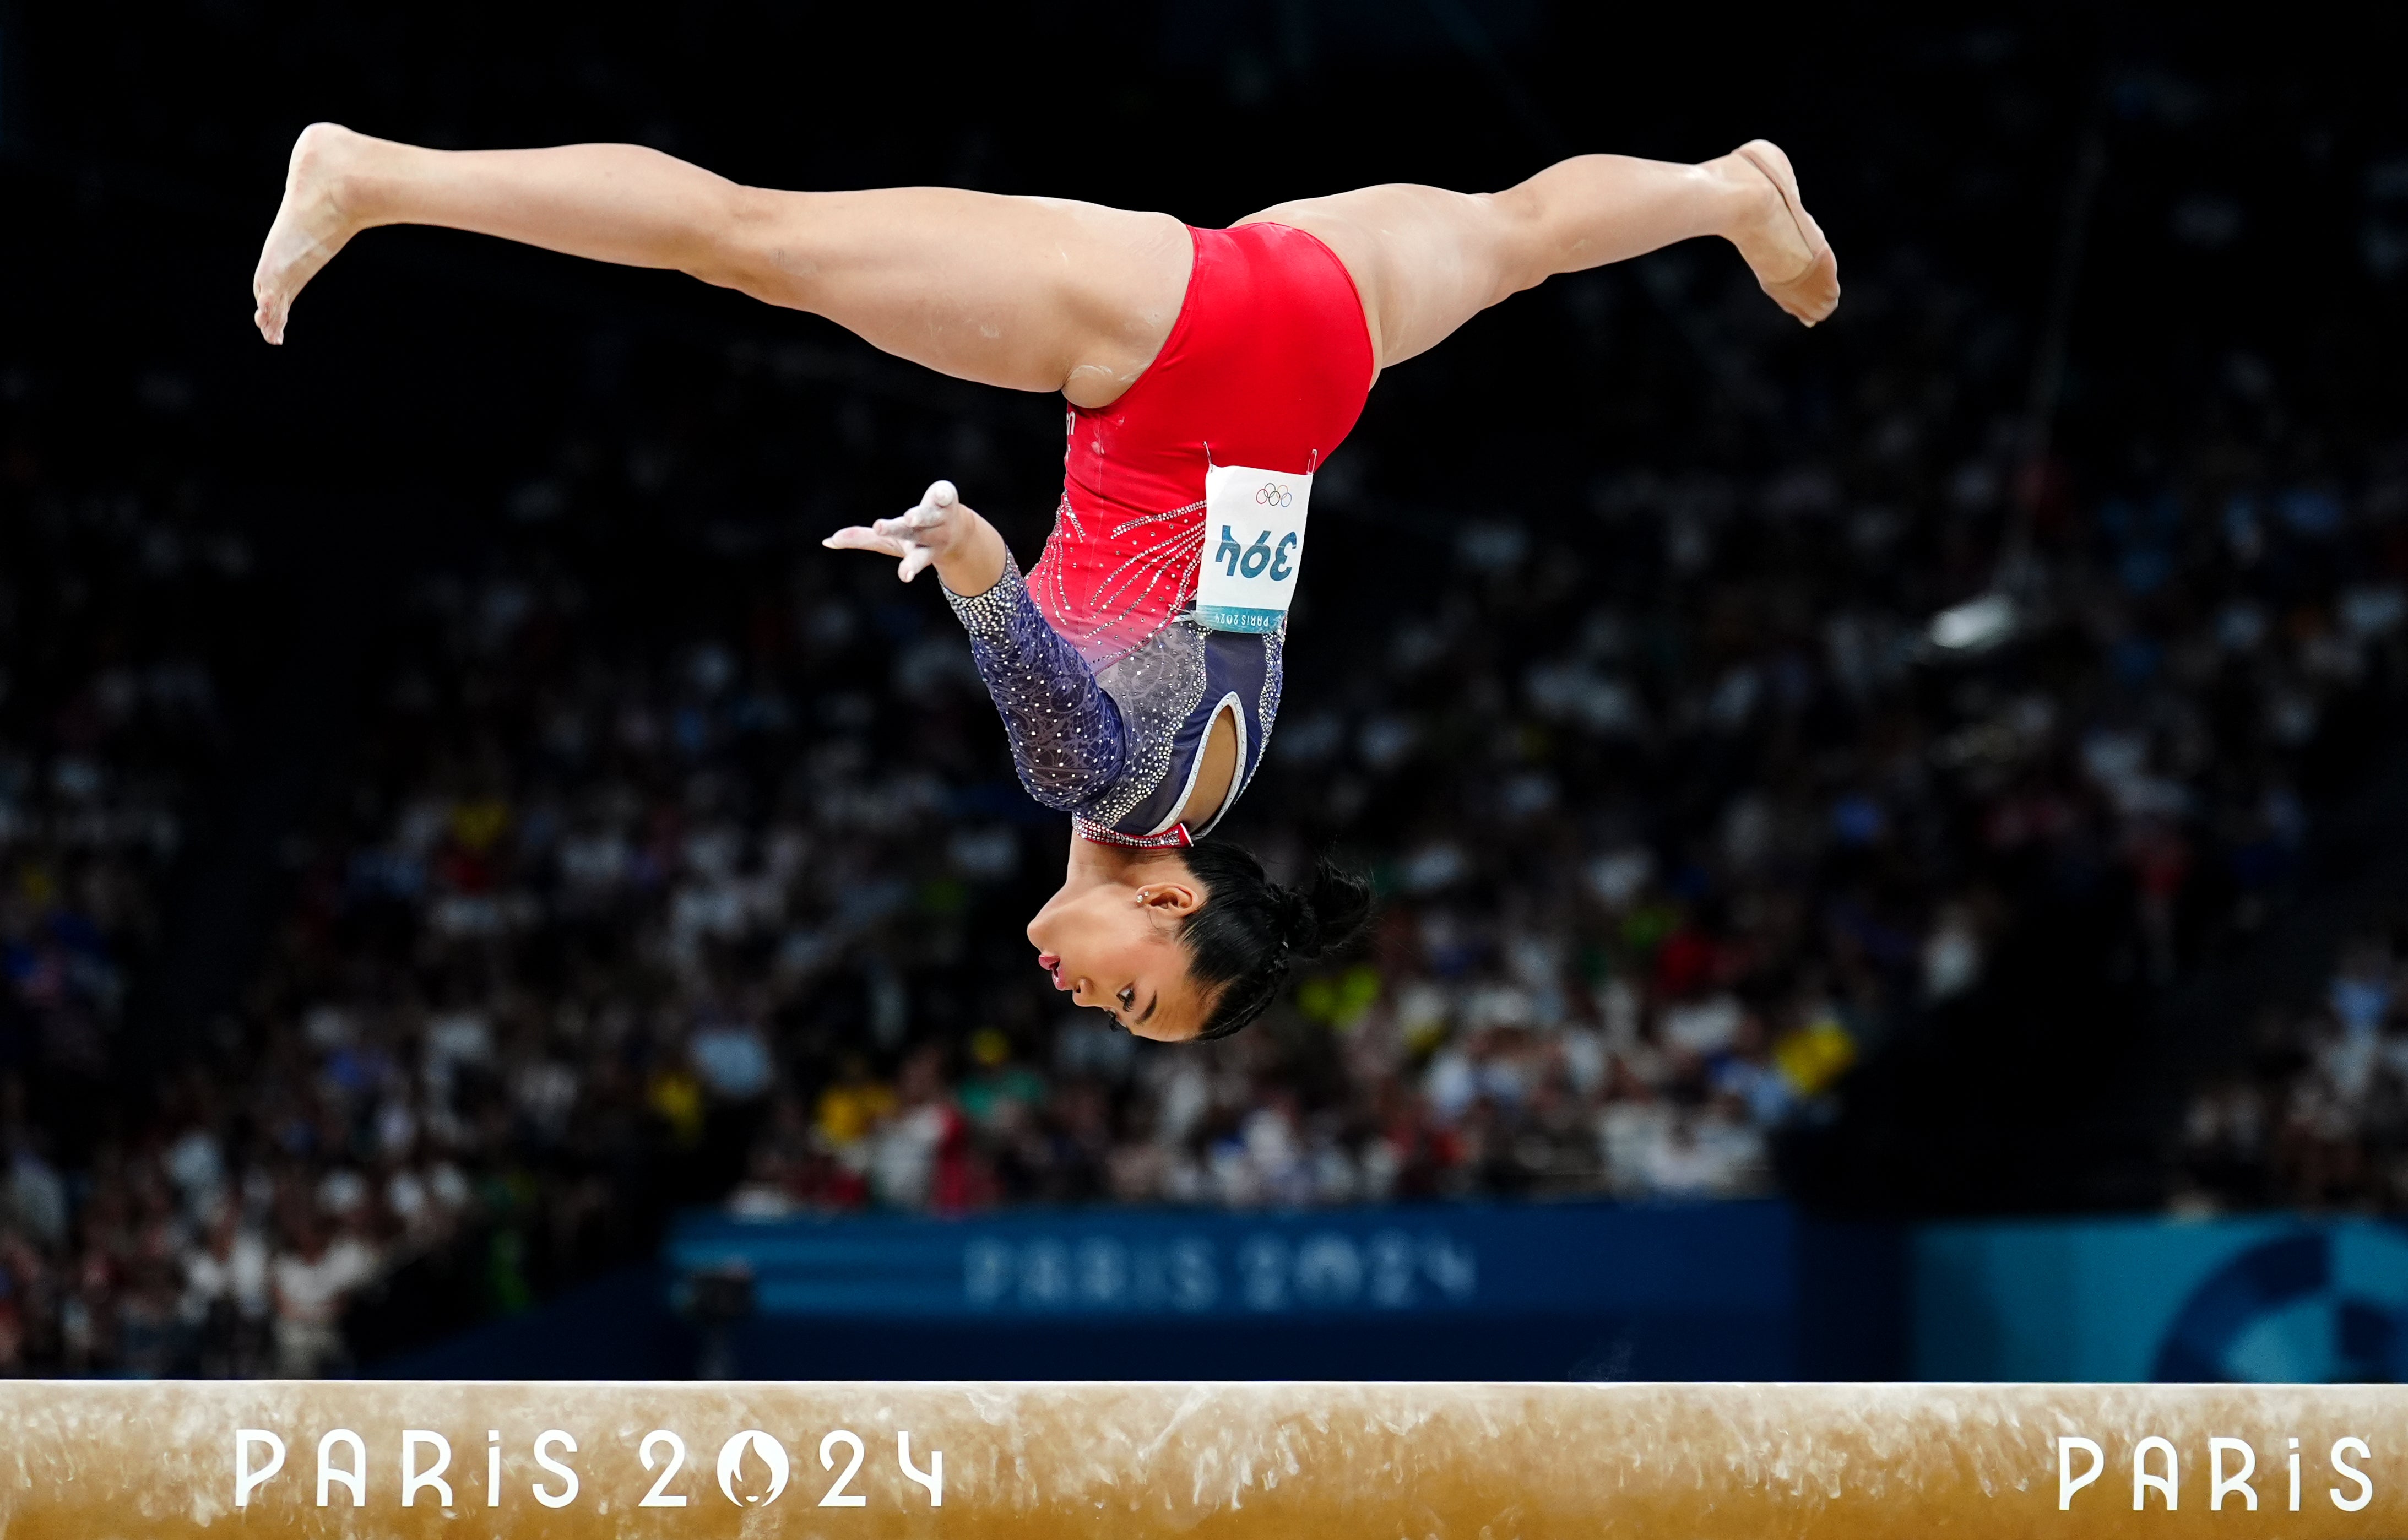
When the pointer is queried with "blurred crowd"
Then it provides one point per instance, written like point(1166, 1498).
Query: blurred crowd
point(680, 860)
point(123, 592)
point(2314, 1114)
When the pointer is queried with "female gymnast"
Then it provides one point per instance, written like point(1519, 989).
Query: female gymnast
point(1209, 373)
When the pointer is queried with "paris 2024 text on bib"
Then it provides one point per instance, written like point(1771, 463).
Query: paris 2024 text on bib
point(1254, 547)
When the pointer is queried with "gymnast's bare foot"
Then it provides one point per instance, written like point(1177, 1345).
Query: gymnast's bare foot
point(1779, 241)
point(311, 226)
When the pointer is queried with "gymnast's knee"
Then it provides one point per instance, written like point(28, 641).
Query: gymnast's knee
point(1523, 244)
point(744, 240)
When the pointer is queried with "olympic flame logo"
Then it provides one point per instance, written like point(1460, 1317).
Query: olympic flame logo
point(731, 1465)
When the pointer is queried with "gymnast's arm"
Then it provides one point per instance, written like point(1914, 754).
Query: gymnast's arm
point(1065, 733)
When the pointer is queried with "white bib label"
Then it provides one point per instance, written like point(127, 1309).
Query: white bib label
point(1254, 547)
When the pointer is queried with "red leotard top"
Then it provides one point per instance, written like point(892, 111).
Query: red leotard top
point(1268, 364)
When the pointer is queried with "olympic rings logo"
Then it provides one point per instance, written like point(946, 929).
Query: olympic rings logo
point(1275, 495)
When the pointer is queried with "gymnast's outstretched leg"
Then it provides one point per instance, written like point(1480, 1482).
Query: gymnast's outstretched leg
point(1427, 260)
point(1030, 293)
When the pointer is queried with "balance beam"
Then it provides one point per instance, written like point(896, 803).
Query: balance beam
point(85, 1461)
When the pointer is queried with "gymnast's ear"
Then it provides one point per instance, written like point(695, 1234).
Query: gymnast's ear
point(1172, 900)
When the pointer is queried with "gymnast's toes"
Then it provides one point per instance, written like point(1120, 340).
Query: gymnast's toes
point(1812, 294)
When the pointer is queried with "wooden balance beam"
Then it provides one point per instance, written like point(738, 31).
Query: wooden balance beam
point(91, 1461)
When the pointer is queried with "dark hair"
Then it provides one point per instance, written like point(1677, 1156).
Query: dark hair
point(1251, 929)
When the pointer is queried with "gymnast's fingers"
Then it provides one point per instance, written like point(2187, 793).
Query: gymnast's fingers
point(856, 538)
point(936, 511)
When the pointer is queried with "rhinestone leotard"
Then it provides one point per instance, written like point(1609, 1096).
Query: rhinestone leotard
point(1106, 685)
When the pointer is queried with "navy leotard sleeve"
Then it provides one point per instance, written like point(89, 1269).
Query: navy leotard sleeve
point(1065, 732)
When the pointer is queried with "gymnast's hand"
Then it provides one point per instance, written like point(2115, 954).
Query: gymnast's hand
point(942, 532)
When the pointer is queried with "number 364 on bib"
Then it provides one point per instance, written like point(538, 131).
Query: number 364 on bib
point(1254, 547)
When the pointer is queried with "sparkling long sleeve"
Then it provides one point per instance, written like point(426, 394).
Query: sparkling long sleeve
point(1067, 737)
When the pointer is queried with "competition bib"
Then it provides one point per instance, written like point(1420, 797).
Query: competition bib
point(1253, 546)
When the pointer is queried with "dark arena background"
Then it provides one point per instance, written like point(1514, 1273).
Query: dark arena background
point(1892, 840)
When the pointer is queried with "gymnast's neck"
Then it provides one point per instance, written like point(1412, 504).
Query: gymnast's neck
point(1094, 863)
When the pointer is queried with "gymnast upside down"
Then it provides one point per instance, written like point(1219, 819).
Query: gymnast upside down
point(1137, 673)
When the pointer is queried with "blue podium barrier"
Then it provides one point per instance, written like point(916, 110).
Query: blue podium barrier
point(1540, 1291)
point(1531, 1292)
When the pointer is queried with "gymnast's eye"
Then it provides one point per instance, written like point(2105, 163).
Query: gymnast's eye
point(1127, 997)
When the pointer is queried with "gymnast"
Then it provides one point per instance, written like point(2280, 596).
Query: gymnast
point(1209, 373)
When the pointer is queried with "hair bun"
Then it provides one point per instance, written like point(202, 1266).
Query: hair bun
point(1299, 925)
point(1333, 913)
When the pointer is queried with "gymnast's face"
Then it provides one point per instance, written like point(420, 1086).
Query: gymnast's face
point(1112, 941)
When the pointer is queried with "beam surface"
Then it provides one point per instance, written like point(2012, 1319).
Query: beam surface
point(586, 1461)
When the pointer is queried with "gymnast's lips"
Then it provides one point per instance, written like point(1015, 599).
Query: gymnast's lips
point(1052, 965)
